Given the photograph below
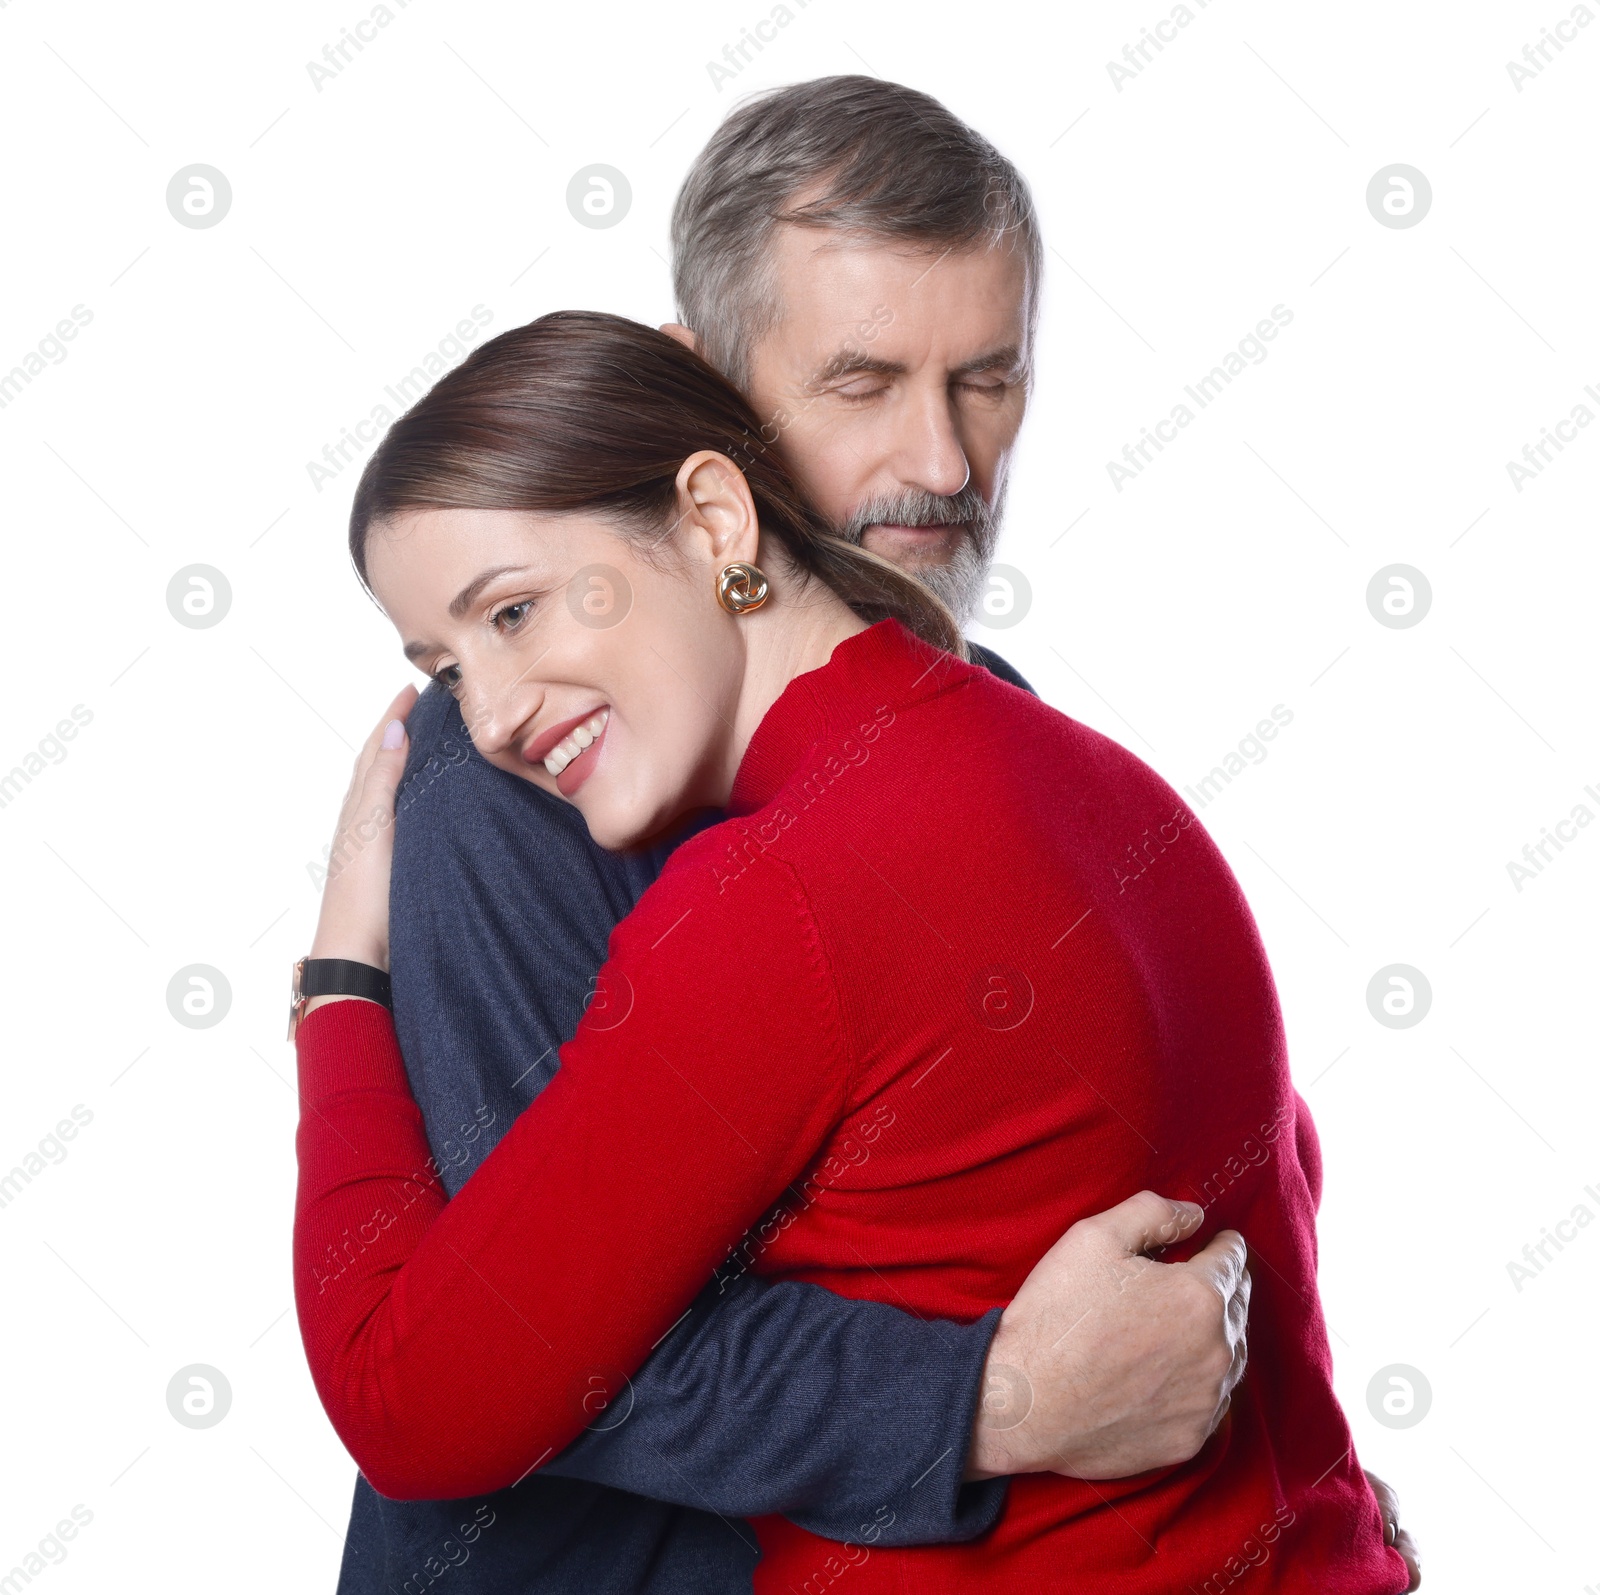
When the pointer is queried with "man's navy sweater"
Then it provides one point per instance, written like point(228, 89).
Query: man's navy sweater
point(852, 1418)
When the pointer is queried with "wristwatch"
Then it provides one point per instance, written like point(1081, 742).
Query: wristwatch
point(335, 977)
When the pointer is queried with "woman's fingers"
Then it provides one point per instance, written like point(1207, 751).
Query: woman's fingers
point(382, 759)
point(385, 752)
point(399, 708)
point(360, 791)
point(354, 922)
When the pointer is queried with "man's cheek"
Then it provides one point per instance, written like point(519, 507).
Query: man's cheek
point(821, 447)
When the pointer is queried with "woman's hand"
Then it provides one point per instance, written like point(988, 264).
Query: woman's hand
point(354, 922)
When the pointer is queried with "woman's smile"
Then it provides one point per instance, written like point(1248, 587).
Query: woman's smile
point(569, 751)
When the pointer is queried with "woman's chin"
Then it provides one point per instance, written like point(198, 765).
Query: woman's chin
point(614, 837)
point(618, 828)
point(625, 831)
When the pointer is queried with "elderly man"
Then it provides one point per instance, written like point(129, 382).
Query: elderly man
point(866, 268)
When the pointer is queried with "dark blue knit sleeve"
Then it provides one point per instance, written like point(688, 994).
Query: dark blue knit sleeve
point(997, 666)
point(851, 1418)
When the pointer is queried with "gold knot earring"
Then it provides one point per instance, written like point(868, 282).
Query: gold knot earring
point(741, 587)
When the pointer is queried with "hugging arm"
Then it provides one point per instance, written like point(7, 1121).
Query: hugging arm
point(849, 1417)
point(456, 1346)
point(427, 1329)
point(767, 1397)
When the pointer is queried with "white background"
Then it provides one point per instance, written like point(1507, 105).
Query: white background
point(371, 214)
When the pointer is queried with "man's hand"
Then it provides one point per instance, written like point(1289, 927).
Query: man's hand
point(1109, 1363)
point(1389, 1506)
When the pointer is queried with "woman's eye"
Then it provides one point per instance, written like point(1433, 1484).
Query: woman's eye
point(512, 616)
point(448, 677)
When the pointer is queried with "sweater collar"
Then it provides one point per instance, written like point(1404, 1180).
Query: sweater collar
point(885, 664)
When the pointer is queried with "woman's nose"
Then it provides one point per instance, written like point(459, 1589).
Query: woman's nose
point(493, 714)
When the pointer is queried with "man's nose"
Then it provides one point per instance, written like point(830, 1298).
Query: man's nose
point(930, 452)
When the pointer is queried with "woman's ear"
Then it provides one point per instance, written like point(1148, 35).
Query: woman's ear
point(717, 518)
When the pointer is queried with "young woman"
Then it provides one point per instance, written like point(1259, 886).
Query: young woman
point(954, 973)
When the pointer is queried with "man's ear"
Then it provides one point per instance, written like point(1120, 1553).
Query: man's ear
point(676, 329)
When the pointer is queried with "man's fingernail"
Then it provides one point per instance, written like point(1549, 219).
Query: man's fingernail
point(394, 733)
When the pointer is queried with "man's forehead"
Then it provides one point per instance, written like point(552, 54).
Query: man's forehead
point(838, 255)
point(851, 301)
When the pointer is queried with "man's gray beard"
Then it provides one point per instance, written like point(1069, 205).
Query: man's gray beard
point(960, 583)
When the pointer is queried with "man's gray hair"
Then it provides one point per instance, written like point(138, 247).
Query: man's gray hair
point(867, 157)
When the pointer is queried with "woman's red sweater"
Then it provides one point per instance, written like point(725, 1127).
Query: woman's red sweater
point(955, 972)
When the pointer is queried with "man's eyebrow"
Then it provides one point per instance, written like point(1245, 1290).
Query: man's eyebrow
point(1006, 358)
point(853, 362)
point(462, 602)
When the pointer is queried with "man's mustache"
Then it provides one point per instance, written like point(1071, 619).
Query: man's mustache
point(966, 508)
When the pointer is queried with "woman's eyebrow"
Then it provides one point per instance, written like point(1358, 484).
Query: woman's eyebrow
point(462, 602)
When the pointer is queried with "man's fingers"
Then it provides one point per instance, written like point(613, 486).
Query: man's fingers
point(1407, 1547)
point(1388, 1501)
point(1241, 1358)
point(1238, 1309)
point(1223, 1260)
point(1389, 1509)
point(1221, 1413)
point(1147, 1222)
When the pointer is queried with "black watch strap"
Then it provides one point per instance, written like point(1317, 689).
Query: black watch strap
point(344, 977)
point(335, 977)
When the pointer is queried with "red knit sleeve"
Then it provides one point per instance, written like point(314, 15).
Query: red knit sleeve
point(1309, 1149)
point(456, 1345)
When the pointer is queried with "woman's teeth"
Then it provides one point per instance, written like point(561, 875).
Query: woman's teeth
point(570, 746)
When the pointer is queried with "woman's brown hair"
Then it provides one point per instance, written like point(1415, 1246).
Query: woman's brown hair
point(581, 411)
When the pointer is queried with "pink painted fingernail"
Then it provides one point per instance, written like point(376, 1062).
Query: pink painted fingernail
point(394, 734)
